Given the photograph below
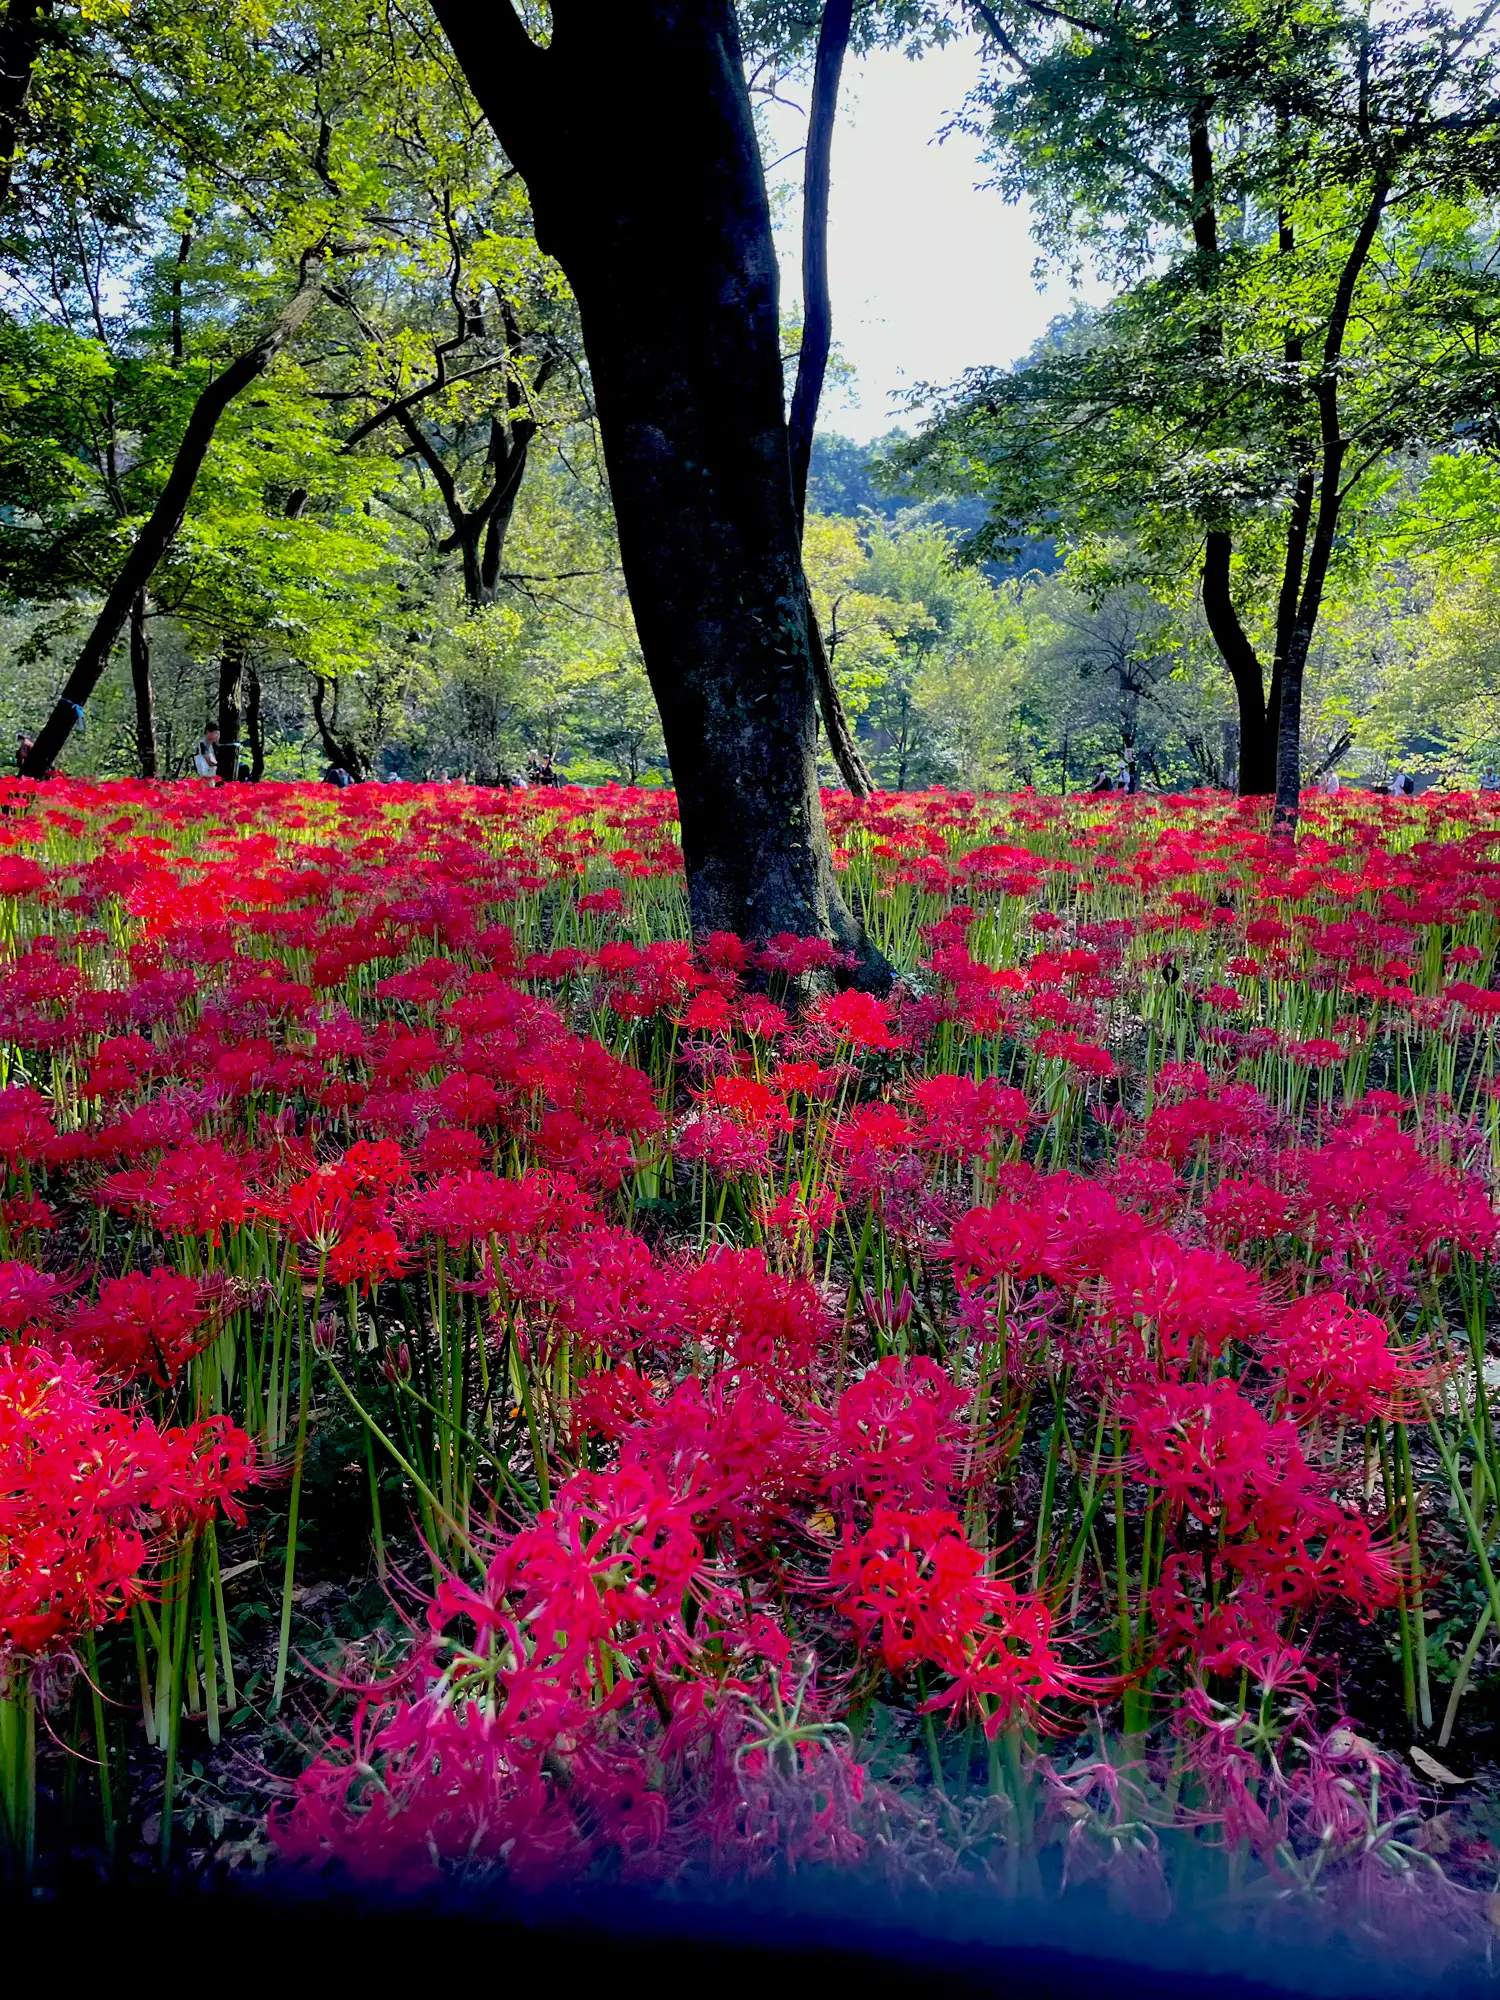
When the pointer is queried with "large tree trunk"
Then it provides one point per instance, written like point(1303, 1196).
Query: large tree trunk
point(165, 518)
point(140, 680)
point(674, 270)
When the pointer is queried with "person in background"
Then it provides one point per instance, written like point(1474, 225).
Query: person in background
point(24, 746)
point(1331, 785)
point(206, 752)
point(337, 775)
point(1490, 782)
point(1103, 783)
point(1406, 786)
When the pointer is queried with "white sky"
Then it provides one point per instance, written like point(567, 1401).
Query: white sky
point(930, 271)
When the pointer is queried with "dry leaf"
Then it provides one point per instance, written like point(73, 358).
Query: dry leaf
point(1344, 1743)
point(1429, 1766)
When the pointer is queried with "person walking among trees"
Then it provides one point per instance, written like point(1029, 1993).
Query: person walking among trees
point(206, 752)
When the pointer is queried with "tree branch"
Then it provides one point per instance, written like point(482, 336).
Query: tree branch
point(165, 518)
point(508, 73)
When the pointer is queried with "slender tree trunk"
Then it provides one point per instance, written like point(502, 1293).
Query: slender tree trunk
point(231, 671)
point(1258, 724)
point(812, 361)
point(817, 303)
point(1258, 714)
point(254, 733)
point(337, 750)
point(155, 536)
point(140, 681)
point(1332, 450)
point(674, 270)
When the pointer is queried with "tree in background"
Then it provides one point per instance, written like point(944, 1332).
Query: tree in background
point(1293, 203)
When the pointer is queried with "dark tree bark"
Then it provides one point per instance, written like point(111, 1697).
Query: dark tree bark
point(1258, 717)
point(231, 673)
point(479, 532)
point(674, 270)
point(140, 681)
point(1324, 514)
point(255, 736)
point(337, 749)
point(1259, 714)
point(817, 303)
point(812, 361)
point(25, 28)
point(155, 537)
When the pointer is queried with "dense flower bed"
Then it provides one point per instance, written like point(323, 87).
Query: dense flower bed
point(988, 1429)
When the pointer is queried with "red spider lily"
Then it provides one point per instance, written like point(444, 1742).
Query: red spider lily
point(1337, 1361)
point(913, 1586)
point(896, 1435)
point(859, 1020)
point(964, 1117)
point(149, 1324)
point(82, 1489)
point(196, 1189)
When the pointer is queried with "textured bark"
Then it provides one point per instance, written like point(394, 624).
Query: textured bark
point(140, 681)
point(674, 270)
point(155, 536)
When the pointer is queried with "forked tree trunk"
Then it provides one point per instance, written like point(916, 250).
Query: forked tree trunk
point(674, 270)
point(340, 751)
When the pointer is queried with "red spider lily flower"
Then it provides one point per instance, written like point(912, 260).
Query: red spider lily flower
point(196, 1189)
point(366, 1257)
point(82, 1487)
point(966, 1117)
point(734, 1303)
point(1336, 1361)
point(29, 1298)
point(1191, 1297)
point(860, 1019)
point(896, 1435)
point(913, 1586)
point(149, 1324)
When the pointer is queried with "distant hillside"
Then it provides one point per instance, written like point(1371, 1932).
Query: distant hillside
point(842, 480)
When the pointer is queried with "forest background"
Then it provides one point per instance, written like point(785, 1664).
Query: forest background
point(399, 554)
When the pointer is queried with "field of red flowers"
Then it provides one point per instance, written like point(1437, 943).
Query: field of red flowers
point(486, 1386)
